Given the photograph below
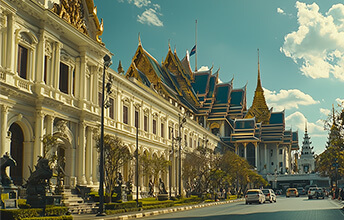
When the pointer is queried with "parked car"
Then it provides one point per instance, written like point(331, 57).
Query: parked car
point(292, 192)
point(319, 193)
point(301, 190)
point(254, 195)
point(269, 195)
point(311, 192)
point(278, 192)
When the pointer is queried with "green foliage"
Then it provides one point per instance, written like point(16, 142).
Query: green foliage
point(116, 154)
point(63, 217)
point(16, 214)
point(124, 205)
point(152, 166)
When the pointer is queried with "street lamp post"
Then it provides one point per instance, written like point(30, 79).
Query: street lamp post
point(137, 114)
point(181, 122)
point(107, 63)
point(170, 167)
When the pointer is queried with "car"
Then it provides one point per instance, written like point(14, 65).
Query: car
point(292, 192)
point(319, 193)
point(269, 195)
point(301, 190)
point(312, 192)
point(254, 195)
point(278, 192)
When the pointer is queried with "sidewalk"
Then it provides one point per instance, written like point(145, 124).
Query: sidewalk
point(151, 212)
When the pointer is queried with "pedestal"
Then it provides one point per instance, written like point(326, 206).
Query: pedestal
point(9, 197)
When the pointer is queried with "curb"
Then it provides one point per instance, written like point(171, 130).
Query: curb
point(168, 210)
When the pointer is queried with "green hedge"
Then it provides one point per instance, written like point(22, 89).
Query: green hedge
point(191, 199)
point(124, 205)
point(63, 217)
point(17, 214)
point(157, 204)
point(112, 212)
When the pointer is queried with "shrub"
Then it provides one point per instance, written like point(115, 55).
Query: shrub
point(124, 205)
point(16, 214)
point(63, 217)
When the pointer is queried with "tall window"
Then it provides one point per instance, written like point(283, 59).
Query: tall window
point(111, 109)
point(190, 142)
point(22, 61)
point(154, 126)
point(125, 115)
point(162, 130)
point(146, 123)
point(64, 69)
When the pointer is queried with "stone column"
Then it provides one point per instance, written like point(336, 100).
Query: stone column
point(284, 159)
point(89, 161)
point(40, 58)
point(10, 43)
point(55, 81)
point(245, 151)
point(38, 145)
point(50, 124)
point(266, 164)
point(81, 179)
point(256, 155)
point(4, 145)
point(95, 163)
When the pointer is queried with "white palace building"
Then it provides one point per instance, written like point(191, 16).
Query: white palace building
point(51, 70)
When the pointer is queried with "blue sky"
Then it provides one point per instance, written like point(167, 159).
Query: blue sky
point(301, 46)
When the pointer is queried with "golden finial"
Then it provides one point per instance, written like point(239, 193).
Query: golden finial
point(120, 68)
point(140, 40)
point(306, 126)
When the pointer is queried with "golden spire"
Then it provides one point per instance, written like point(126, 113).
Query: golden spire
point(259, 108)
point(120, 68)
point(306, 127)
point(139, 39)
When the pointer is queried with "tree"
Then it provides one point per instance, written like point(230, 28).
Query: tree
point(152, 166)
point(116, 154)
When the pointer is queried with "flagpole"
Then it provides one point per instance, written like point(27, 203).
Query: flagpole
point(196, 47)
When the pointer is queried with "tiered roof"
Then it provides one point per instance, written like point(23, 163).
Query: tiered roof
point(218, 103)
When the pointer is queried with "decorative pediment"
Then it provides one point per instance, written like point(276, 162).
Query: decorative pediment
point(82, 14)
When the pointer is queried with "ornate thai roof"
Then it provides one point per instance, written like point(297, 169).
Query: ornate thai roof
point(81, 14)
point(259, 108)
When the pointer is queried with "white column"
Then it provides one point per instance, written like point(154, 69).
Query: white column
point(276, 163)
point(266, 164)
point(284, 159)
point(55, 81)
point(50, 124)
point(10, 43)
point(40, 58)
point(81, 179)
point(81, 75)
point(256, 155)
point(2, 37)
point(95, 164)
point(4, 145)
point(38, 145)
point(89, 161)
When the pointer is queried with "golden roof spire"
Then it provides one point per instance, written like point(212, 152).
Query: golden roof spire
point(139, 40)
point(306, 127)
point(259, 108)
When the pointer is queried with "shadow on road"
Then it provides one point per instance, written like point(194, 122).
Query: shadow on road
point(323, 214)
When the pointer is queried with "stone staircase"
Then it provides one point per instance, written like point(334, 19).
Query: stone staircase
point(76, 204)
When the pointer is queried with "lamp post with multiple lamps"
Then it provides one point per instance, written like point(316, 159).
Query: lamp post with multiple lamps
point(104, 104)
point(181, 122)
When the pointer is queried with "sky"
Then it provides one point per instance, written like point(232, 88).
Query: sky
point(301, 48)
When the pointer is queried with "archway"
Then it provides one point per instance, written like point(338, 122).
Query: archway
point(17, 143)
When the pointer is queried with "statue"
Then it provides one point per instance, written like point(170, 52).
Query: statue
point(37, 183)
point(162, 189)
point(151, 188)
point(6, 161)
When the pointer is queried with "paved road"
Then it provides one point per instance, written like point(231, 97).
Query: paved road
point(285, 209)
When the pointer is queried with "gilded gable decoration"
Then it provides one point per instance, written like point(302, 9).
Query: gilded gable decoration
point(72, 12)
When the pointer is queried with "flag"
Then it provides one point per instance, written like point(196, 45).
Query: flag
point(193, 51)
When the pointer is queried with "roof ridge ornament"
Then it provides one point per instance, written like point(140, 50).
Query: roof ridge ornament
point(140, 44)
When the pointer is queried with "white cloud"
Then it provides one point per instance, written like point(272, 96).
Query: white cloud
point(287, 99)
point(280, 11)
point(203, 68)
point(324, 111)
point(318, 44)
point(139, 3)
point(150, 17)
point(298, 121)
point(340, 102)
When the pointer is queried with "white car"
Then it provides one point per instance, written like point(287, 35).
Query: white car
point(254, 195)
point(269, 195)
